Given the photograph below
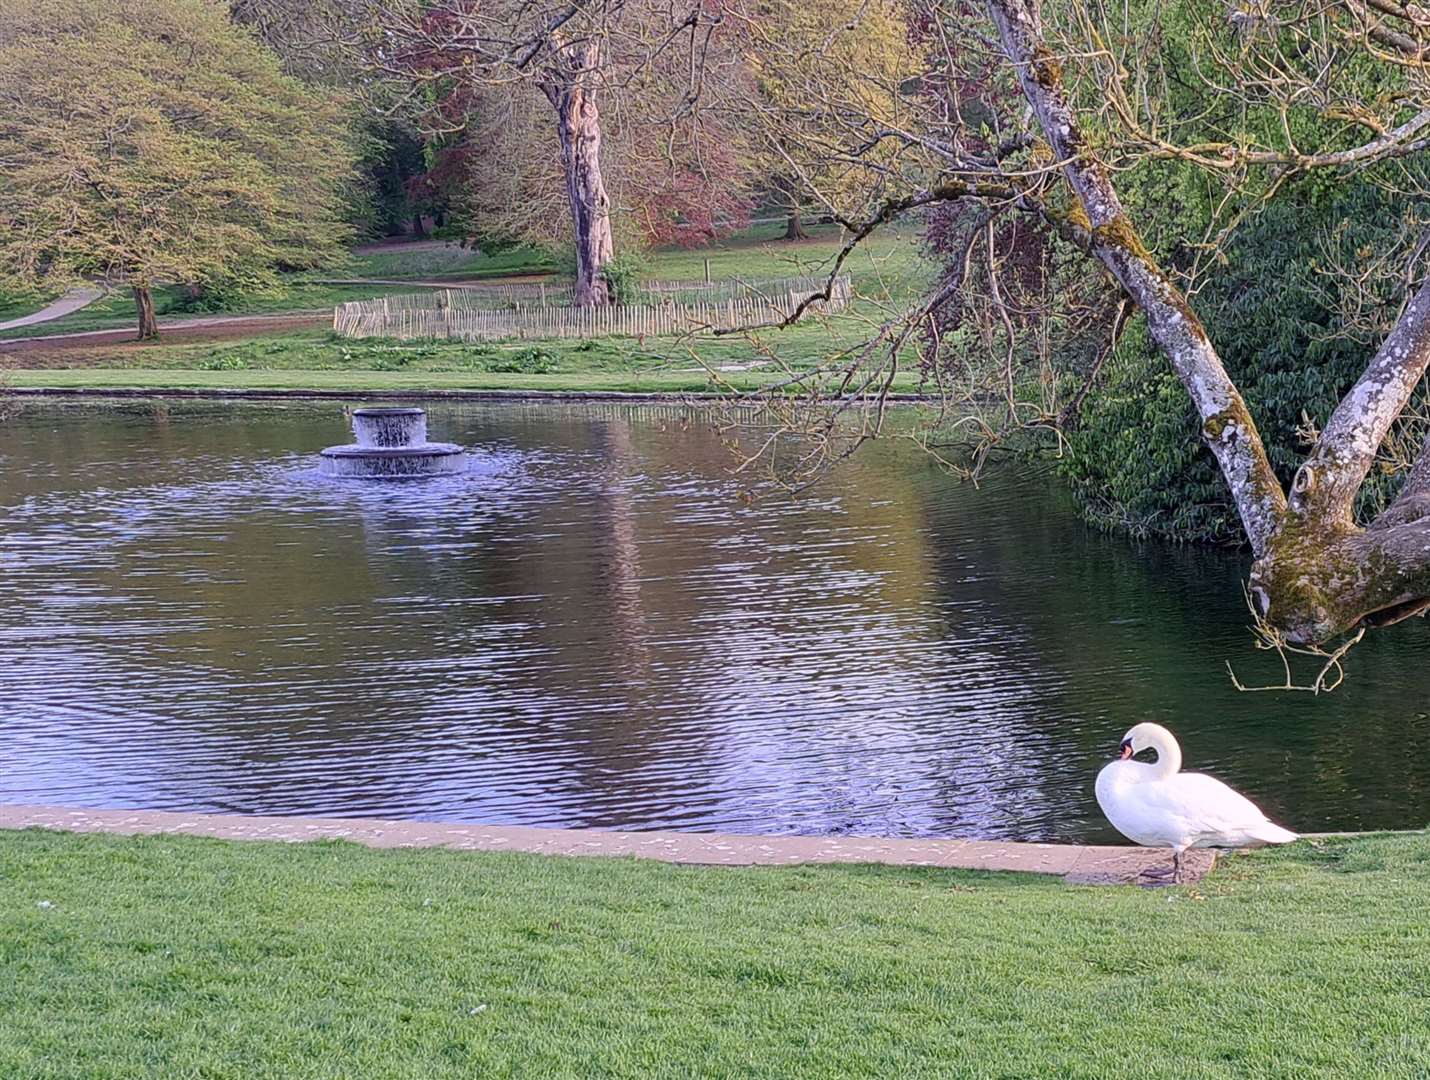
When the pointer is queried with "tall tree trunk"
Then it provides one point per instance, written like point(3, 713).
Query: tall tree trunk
point(794, 230)
point(578, 125)
point(144, 302)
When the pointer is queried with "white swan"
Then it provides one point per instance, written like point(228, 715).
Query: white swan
point(1157, 805)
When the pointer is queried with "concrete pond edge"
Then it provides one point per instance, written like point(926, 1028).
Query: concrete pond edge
point(1078, 864)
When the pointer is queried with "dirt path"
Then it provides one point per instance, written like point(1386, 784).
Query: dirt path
point(67, 304)
point(215, 328)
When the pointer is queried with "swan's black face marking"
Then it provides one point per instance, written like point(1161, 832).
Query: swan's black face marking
point(1126, 749)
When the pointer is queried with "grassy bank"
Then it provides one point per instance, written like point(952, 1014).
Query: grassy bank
point(436, 261)
point(692, 380)
point(187, 957)
point(307, 291)
point(115, 311)
point(317, 359)
point(886, 272)
point(760, 251)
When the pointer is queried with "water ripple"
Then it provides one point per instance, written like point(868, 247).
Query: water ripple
point(589, 628)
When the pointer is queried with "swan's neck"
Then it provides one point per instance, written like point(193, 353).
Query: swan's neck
point(1169, 757)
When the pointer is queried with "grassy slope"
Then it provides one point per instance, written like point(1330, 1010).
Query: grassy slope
point(14, 308)
point(429, 262)
point(889, 266)
point(752, 254)
point(674, 381)
point(760, 251)
point(316, 360)
point(182, 957)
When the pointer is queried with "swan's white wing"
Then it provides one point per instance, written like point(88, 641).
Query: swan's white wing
point(1210, 812)
point(1137, 810)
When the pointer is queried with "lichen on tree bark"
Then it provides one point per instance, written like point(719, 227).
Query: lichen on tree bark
point(1317, 573)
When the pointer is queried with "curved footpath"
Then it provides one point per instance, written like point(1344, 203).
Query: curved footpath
point(1075, 863)
point(67, 304)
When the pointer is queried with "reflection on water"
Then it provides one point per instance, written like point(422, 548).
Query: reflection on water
point(591, 629)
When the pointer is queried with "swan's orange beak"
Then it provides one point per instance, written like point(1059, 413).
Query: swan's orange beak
point(1126, 750)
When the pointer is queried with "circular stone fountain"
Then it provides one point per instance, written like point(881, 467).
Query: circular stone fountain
point(392, 445)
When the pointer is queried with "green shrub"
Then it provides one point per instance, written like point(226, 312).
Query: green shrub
point(529, 361)
point(623, 275)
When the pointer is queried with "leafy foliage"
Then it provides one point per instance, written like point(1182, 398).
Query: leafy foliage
point(623, 276)
point(821, 74)
point(671, 161)
point(1137, 460)
point(1296, 278)
point(151, 141)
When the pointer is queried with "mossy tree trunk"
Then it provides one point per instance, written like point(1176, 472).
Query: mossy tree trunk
point(1317, 573)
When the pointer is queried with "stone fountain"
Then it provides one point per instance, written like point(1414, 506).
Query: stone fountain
point(392, 445)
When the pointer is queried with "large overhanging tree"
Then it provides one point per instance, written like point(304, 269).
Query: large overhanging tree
point(145, 142)
point(683, 183)
point(1036, 114)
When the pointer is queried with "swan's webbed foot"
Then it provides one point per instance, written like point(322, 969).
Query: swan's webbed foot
point(1161, 874)
point(1165, 875)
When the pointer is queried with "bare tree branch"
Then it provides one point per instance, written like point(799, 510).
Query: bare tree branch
point(1226, 424)
point(1326, 485)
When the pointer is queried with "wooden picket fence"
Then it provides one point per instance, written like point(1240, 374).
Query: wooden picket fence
point(676, 308)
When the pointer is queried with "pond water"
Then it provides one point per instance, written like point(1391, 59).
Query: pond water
point(593, 628)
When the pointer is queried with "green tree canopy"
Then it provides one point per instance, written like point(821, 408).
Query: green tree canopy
point(148, 141)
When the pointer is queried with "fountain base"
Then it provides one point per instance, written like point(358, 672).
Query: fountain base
point(398, 463)
point(392, 445)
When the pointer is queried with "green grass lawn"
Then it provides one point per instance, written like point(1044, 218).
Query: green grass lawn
point(429, 262)
point(317, 359)
point(888, 263)
point(182, 957)
point(12, 307)
point(887, 270)
point(116, 311)
point(886, 273)
point(760, 251)
point(690, 380)
point(887, 266)
point(297, 292)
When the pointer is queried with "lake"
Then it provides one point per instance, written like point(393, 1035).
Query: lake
point(595, 627)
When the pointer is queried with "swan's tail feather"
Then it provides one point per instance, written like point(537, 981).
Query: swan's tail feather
point(1270, 833)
